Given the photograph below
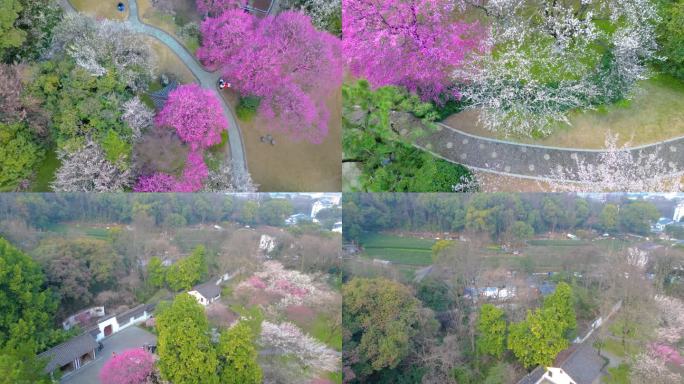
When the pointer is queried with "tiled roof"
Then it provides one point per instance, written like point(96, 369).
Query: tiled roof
point(209, 289)
point(68, 351)
point(159, 97)
point(125, 317)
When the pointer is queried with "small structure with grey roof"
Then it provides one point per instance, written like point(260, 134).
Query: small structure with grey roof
point(209, 292)
point(71, 354)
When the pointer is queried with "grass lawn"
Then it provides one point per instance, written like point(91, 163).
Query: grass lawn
point(399, 250)
point(169, 63)
point(46, 172)
point(294, 165)
point(655, 113)
point(185, 12)
point(379, 240)
point(615, 347)
point(401, 256)
point(101, 8)
point(321, 330)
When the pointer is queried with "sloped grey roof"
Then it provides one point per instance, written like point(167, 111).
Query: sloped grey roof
point(68, 351)
point(159, 97)
point(125, 317)
point(209, 289)
point(533, 376)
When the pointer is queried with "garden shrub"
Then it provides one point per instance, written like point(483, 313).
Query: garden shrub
point(247, 108)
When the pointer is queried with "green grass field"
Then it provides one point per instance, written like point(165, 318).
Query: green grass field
point(546, 255)
point(399, 250)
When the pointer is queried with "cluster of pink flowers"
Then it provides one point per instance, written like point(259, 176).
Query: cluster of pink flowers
point(132, 366)
point(284, 60)
point(420, 34)
point(668, 353)
point(192, 180)
point(289, 339)
point(294, 287)
point(197, 117)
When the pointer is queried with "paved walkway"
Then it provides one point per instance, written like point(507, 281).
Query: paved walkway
point(205, 78)
point(131, 337)
point(519, 160)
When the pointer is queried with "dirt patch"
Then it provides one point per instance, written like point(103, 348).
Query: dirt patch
point(290, 166)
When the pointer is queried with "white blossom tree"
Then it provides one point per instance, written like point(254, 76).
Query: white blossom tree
point(87, 170)
point(95, 44)
point(648, 368)
point(138, 116)
point(287, 339)
point(229, 179)
point(322, 12)
point(543, 60)
point(618, 170)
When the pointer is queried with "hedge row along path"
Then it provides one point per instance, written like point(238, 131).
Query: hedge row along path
point(520, 160)
point(209, 80)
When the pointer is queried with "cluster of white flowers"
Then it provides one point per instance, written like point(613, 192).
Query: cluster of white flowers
point(229, 179)
point(287, 338)
point(138, 116)
point(507, 80)
point(671, 328)
point(322, 12)
point(618, 170)
point(649, 368)
point(94, 44)
point(294, 287)
point(87, 170)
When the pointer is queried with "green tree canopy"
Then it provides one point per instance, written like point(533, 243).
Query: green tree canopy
point(238, 357)
point(10, 35)
point(608, 220)
point(671, 36)
point(26, 306)
point(537, 339)
point(186, 354)
point(274, 212)
point(491, 329)
point(188, 271)
point(19, 153)
point(380, 317)
point(156, 273)
point(19, 365)
point(637, 217)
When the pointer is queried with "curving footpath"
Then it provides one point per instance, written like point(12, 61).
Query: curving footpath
point(522, 160)
point(206, 79)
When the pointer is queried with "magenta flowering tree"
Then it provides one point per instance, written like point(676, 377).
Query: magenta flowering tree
point(132, 366)
point(411, 43)
point(284, 60)
point(195, 113)
point(192, 180)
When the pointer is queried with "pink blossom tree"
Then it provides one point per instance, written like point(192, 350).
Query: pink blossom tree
point(195, 113)
point(286, 62)
point(192, 180)
point(411, 43)
point(132, 366)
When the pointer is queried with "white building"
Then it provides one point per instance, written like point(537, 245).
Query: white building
point(678, 212)
point(337, 227)
point(555, 376)
point(209, 292)
point(320, 205)
point(113, 324)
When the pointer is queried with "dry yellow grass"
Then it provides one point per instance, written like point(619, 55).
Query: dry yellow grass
point(655, 113)
point(101, 8)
